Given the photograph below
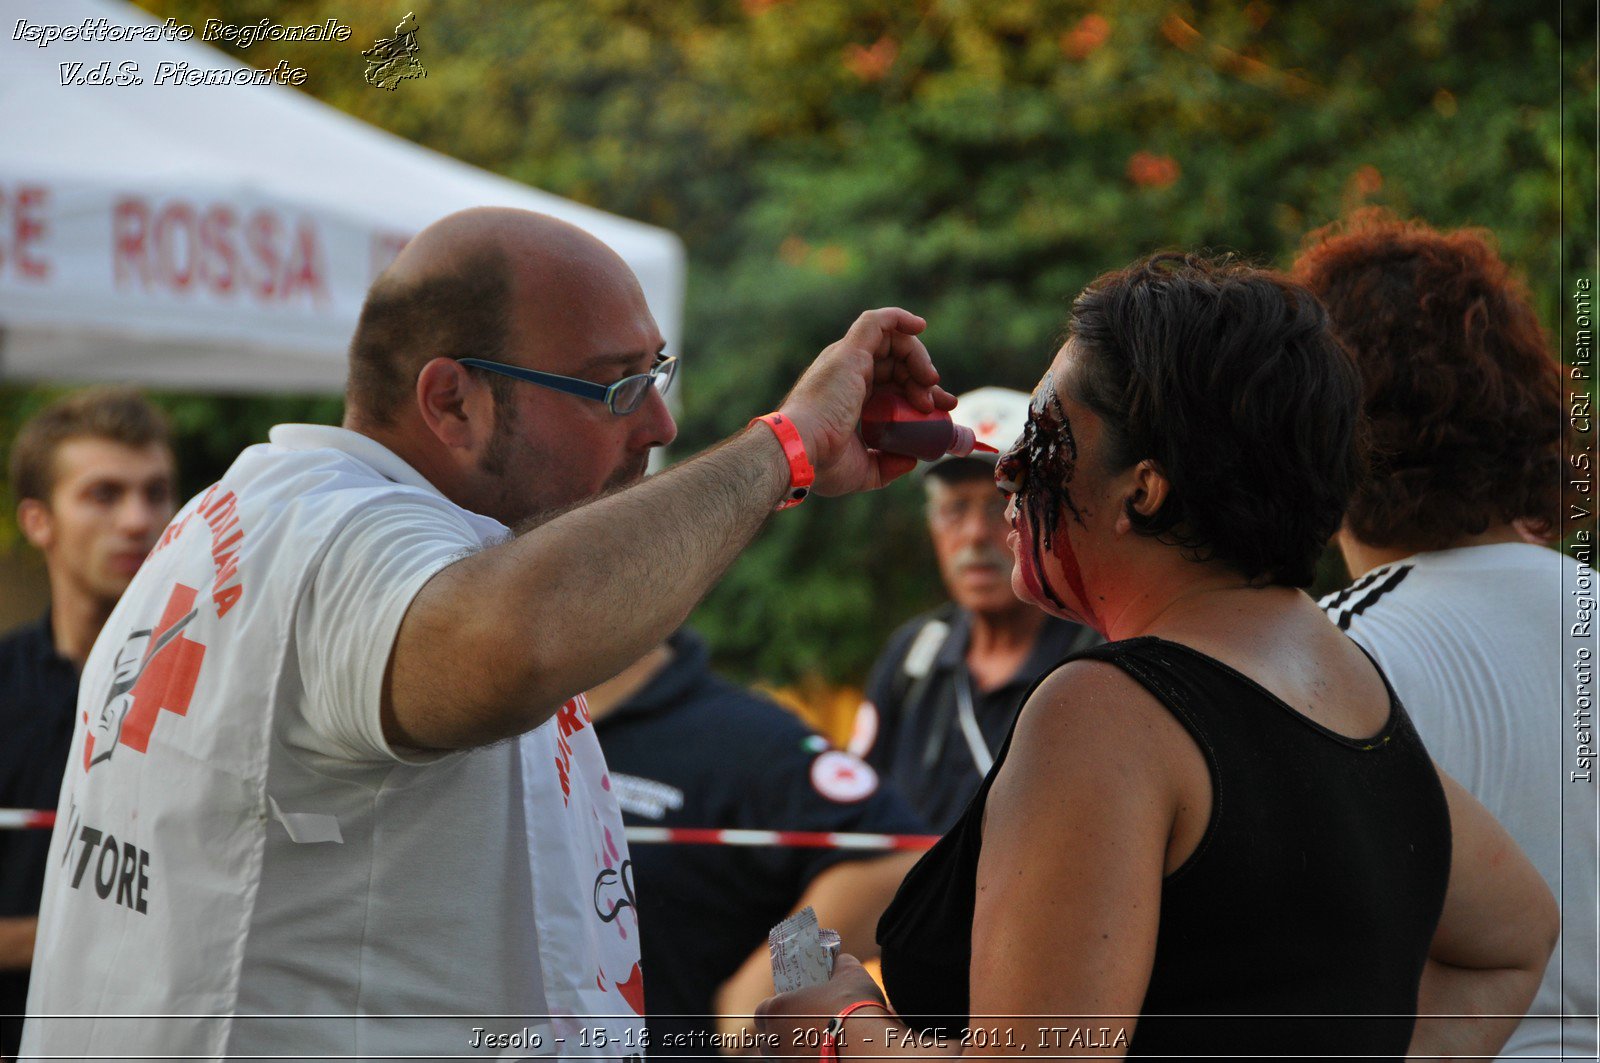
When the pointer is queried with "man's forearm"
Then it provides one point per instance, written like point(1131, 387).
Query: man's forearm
point(1464, 991)
point(850, 897)
point(503, 638)
point(16, 942)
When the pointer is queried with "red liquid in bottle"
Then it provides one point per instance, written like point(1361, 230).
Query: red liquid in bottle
point(890, 423)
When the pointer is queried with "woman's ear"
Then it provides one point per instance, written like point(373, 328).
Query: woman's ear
point(1145, 495)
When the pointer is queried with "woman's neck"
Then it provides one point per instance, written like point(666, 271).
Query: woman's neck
point(1158, 588)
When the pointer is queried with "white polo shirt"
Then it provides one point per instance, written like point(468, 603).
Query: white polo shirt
point(235, 838)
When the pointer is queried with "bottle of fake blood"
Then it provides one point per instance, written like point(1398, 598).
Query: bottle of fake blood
point(890, 423)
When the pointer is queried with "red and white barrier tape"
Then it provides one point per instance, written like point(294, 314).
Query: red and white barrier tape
point(800, 839)
point(29, 819)
point(25, 819)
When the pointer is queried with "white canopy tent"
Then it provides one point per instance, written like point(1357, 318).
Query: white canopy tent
point(216, 237)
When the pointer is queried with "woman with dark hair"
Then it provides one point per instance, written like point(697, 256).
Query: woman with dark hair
point(1218, 834)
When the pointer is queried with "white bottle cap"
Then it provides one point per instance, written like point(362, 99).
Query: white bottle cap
point(961, 441)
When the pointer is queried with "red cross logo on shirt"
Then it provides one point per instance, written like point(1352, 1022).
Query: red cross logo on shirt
point(841, 777)
point(163, 677)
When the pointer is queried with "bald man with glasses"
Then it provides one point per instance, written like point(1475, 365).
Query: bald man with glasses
point(292, 823)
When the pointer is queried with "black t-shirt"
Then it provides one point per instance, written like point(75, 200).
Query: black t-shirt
point(1303, 918)
point(917, 740)
point(38, 695)
point(693, 750)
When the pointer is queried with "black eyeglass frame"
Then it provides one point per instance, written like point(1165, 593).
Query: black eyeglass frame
point(661, 375)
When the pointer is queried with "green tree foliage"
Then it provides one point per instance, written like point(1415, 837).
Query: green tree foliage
point(977, 162)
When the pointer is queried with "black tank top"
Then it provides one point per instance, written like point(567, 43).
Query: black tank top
point(1314, 891)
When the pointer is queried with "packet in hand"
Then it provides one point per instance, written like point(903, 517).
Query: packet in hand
point(802, 952)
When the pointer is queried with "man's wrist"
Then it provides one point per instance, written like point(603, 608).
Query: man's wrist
point(773, 459)
point(798, 467)
point(808, 433)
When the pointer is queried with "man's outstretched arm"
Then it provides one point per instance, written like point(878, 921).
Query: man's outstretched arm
point(495, 643)
point(16, 942)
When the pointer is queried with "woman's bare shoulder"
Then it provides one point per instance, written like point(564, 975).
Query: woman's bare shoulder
point(1092, 716)
point(1095, 752)
point(1086, 688)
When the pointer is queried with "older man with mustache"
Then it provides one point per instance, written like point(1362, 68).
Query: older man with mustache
point(947, 686)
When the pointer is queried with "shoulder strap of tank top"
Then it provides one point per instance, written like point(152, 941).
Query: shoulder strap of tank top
point(1142, 659)
point(1129, 655)
point(1146, 662)
point(1138, 658)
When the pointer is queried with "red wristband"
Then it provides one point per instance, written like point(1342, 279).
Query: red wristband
point(835, 1027)
point(801, 474)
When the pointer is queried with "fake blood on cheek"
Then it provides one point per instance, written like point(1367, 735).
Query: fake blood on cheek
point(1042, 465)
point(1029, 571)
point(1074, 574)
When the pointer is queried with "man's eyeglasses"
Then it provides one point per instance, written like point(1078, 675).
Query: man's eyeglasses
point(623, 397)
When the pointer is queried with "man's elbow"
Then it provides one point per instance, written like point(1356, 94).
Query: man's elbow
point(895, 865)
point(878, 877)
point(874, 881)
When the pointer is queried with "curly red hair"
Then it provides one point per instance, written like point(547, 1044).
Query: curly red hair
point(1463, 395)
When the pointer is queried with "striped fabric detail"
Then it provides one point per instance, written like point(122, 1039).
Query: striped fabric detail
point(1361, 595)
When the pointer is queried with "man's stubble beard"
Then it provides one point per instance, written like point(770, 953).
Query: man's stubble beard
point(497, 454)
point(628, 475)
point(526, 514)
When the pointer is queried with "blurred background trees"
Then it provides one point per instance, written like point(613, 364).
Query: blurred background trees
point(977, 161)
